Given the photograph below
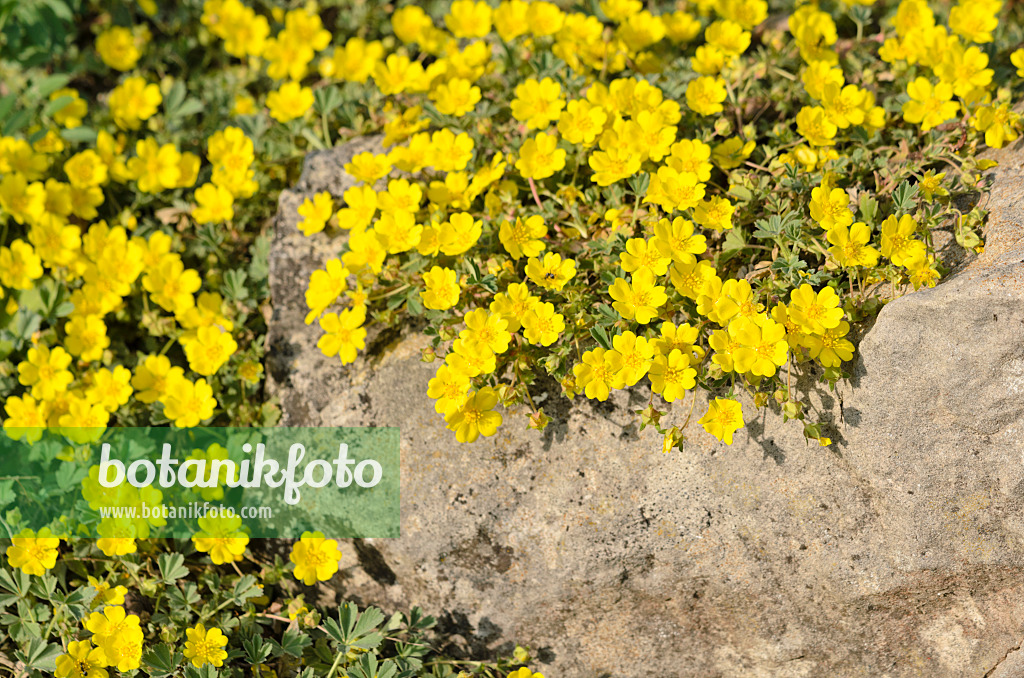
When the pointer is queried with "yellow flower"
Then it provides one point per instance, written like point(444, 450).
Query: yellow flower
point(345, 334)
point(26, 418)
point(732, 152)
point(829, 347)
point(640, 298)
point(171, 285)
point(451, 152)
point(110, 388)
point(814, 124)
point(763, 347)
point(33, 553)
point(654, 254)
point(929, 104)
point(537, 103)
point(600, 371)
point(510, 19)
point(113, 625)
point(523, 238)
point(222, 538)
point(209, 350)
point(316, 558)
point(814, 312)
point(156, 167)
point(315, 213)
point(898, 243)
point(830, 206)
point(369, 167)
point(117, 536)
point(361, 206)
point(975, 20)
point(705, 95)
point(133, 101)
point(475, 417)
point(850, 247)
point(964, 69)
point(636, 354)
point(715, 213)
point(81, 660)
point(671, 375)
point(552, 272)
point(19, 265)
point(540, 157)
point(205, 646)
point(485, 332)
point(70, 114)
point(581, 122)
point(86, 337)
point(468, 19)
point(722, 419)
point(613, 165)
point(215, 204)
point(1017, 59)
point(187, 403)
point(513, 304)
point(673, 190)
point(456, 97)
point(459, 233)
point(449, 388)
point(999, 124)
point(541, 325)
point(117, 48)
point(86, 169)
point(442, 288)
point(289, 102)
point(931, 185)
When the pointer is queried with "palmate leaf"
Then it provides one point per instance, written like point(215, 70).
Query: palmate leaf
point(355, 630)
point(904, 198)
point(161, 661)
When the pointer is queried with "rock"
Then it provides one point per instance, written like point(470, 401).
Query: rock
point(894, 552)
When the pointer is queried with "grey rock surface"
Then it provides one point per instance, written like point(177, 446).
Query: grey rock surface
point(895, 552)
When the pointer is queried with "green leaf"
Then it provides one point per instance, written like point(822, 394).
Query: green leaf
point(904, 198)
point(868, 208)
point(733, 244)
point(189, 107)
point(768, 229)
point(49, 84)
point(257, 652)
point(41, 655)
point(7, 105)
point(172, 567)
point(245, 588)
point(175, 97)
point(601, 335)
point(293, 642)
point(57, 104)
point(234, 285)
point(741, 192)
point(86, 135)
point(161, 661)
point(17, 122)
point(259, 268)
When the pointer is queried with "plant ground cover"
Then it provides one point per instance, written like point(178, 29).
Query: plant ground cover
point(709, 196)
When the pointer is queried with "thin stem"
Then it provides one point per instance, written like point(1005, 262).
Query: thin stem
point(536, 197)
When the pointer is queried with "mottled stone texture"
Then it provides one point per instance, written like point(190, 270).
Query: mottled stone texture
point(896, 552)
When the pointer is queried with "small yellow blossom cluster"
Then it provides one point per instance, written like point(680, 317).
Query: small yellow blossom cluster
point(70, 374)
point(116, 643)
point(455, 186)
